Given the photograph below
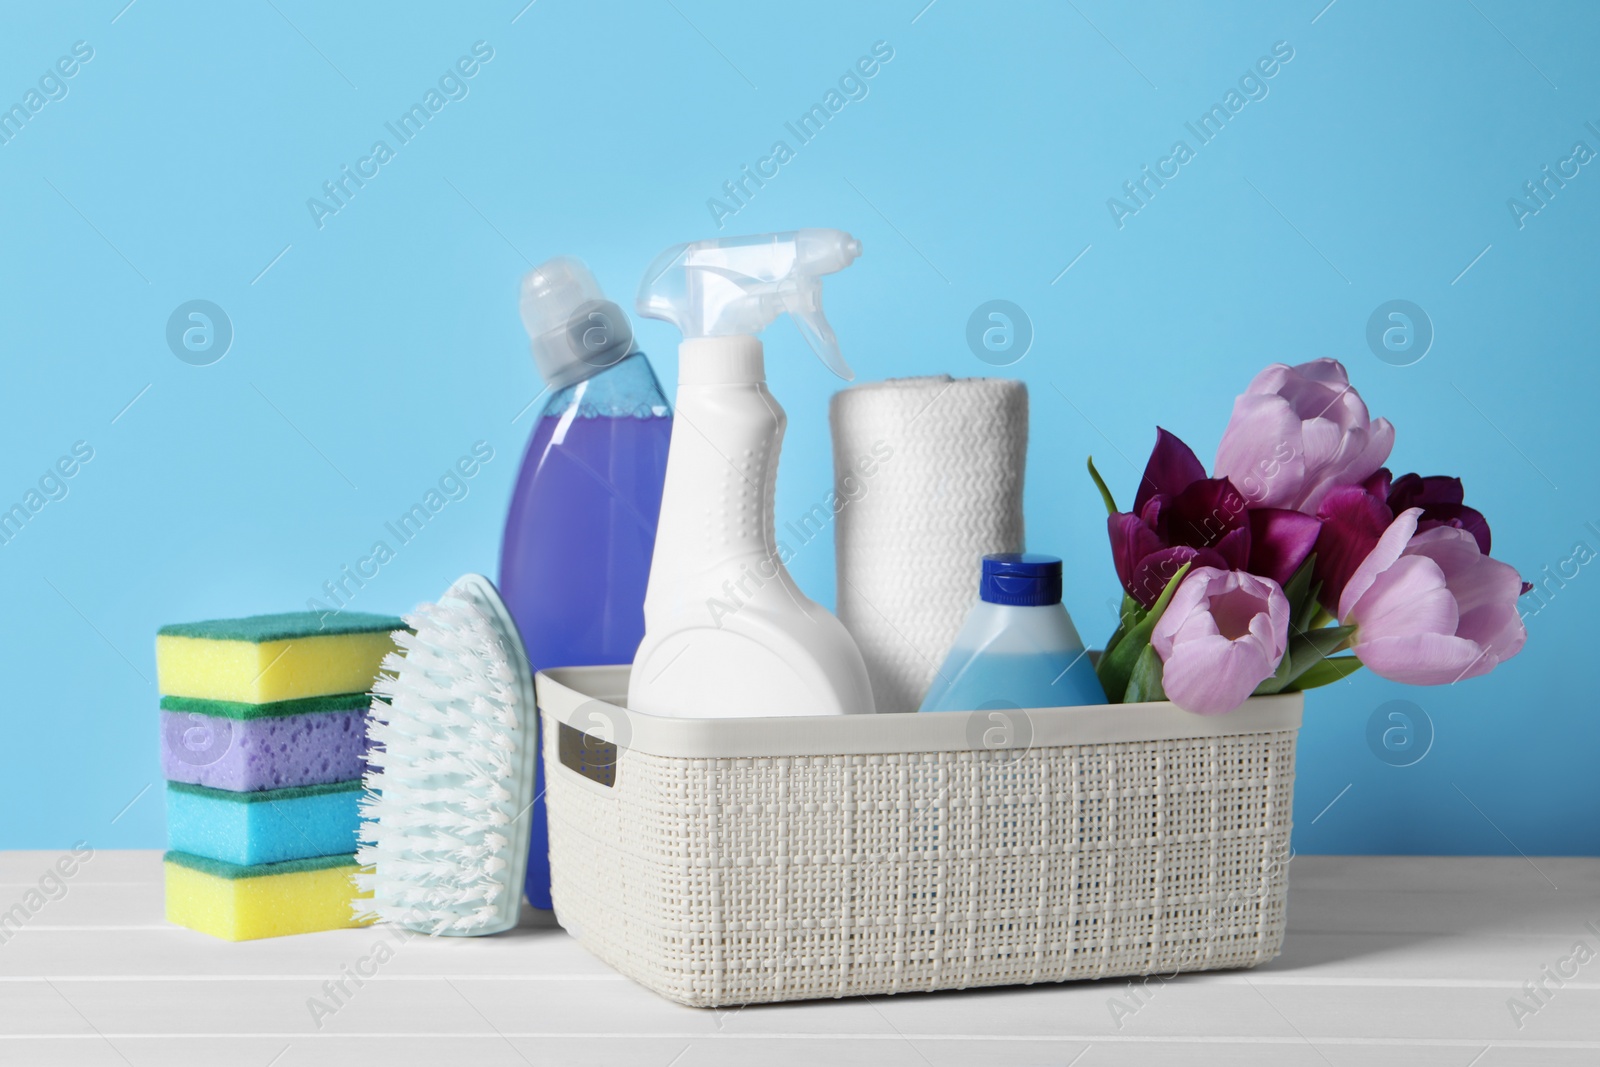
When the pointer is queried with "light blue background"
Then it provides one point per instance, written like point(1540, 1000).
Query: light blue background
point(379, 348)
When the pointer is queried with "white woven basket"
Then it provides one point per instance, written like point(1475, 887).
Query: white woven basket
point(737, 861)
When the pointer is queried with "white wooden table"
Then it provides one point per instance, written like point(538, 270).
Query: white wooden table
point(1389, 960)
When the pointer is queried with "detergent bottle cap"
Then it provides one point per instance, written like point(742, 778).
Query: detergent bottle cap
point(1021, 579)
point(735, 286)
point(575, 331)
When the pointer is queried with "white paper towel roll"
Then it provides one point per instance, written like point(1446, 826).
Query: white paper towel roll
point(931, 471)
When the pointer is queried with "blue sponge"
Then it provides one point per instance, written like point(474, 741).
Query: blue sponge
point(267, 826)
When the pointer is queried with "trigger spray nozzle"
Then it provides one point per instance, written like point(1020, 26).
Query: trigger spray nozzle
point(736, 286)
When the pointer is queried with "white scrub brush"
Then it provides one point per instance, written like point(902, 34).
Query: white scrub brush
point(450, 778)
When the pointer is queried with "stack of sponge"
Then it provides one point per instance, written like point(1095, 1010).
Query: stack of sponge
point(263, 744)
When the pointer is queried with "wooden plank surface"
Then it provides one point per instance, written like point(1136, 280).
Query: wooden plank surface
point(1389, 960)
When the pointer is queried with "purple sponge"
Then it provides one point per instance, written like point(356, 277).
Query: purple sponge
point(246, 747)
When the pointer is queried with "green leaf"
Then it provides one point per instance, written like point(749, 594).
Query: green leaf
point(1116, 666)
point(1132, 612)
point(1299, 582)
point(1114, 640)
point(1105, 494)
point(1145, 682)
point(1313, 646)
point(1311, 613)
point(1305, 651)
point(1301, 592)
point(1279, 678)
point(1325, 672)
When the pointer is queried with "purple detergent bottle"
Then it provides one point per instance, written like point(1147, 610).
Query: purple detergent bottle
point(576, 555)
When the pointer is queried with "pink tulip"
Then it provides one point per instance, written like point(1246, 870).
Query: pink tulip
point(1430, 608)
point(1298, 432)
point(1222, 635)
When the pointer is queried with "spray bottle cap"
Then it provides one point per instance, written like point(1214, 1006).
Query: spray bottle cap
point(735, 286)
point(576, 332)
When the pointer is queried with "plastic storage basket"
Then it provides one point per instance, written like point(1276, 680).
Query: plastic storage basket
point(727, 861)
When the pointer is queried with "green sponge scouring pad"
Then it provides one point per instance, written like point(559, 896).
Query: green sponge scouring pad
point(269, 658)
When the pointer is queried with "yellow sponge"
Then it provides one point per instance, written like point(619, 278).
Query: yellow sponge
point(273, 657)
point(265, 900)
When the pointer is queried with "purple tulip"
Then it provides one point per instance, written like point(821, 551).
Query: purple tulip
point(1429, 607)
point(1299, 432)
point(1353, 520)
point(1354, 517)
point(1221, 635)
point(1180, 516)
point(1280, 540)
point(1440, 499)
point(1171, 468)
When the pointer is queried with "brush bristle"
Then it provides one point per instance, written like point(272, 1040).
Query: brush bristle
point(442, 787)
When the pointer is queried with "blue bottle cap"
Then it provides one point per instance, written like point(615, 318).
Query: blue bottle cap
point(1023, 579)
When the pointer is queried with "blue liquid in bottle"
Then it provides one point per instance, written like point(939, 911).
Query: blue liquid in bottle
point(1017, 646)
point(582, 524)
point(581, 530)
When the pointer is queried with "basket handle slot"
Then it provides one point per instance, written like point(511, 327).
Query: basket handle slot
point(588, 755)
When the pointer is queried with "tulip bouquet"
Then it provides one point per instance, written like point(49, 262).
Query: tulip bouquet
point(1300, 560)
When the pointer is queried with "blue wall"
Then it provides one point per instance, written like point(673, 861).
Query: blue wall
point(368, 352)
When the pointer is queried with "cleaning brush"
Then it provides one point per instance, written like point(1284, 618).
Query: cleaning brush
point(450, 778)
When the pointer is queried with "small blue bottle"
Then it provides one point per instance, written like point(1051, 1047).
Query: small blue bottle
point(1017, 645)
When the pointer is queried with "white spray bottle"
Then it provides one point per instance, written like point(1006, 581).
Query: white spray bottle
point(727, 631)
